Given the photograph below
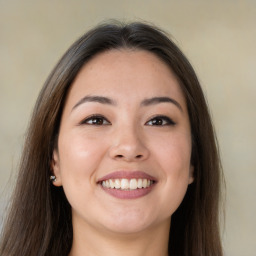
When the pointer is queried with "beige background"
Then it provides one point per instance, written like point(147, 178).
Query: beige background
point(219, 37)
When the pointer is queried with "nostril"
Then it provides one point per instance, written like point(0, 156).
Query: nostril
point(122, 156)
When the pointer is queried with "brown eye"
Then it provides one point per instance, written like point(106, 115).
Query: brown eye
point(96, 120)
point(160, 121)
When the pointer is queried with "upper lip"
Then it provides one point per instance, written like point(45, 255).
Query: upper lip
point(124, 174)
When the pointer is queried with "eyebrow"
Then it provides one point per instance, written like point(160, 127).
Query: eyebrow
point(145, 102)
point(99, 99)
point(157, 100)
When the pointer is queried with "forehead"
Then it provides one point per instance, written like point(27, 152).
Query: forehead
point(126, 73)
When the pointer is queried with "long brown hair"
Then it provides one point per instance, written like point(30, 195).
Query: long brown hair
point(39, 222)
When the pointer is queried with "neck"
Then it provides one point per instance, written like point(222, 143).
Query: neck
point(90, 242)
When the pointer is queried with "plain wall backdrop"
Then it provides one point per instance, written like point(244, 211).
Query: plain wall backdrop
point(218, 37)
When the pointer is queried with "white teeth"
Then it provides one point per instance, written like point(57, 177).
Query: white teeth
point(111, 183)
point(126, 184)
point(139, 183)
point(144, 183)
point(133, 184)
point(117, 183)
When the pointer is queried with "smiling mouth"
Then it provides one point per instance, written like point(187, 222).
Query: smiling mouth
point(127, 184)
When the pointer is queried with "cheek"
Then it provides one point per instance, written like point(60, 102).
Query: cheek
point(174, 160)
point(79, 158)
point(174, 153)
point(76, 149)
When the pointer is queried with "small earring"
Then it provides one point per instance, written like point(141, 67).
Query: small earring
point(53, 178)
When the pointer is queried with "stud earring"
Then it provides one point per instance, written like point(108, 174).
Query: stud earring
point(53, 178)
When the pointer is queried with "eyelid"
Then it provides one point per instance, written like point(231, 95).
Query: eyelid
point(163, 117)
point(94, 116)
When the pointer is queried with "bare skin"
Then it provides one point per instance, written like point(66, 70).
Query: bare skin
point(125, 118)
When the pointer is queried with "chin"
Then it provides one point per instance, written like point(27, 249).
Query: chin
point(127, 228)
point(129, 222)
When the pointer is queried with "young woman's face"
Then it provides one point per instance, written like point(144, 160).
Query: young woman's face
point(124, 145)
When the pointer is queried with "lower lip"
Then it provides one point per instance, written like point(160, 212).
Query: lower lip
point(128, 194)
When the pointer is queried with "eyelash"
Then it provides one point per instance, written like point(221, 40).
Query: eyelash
point(164, 121)
point(96, 118)
point(99, 120)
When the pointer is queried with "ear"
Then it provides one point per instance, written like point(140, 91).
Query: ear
point(191, 174)
point(55, 166)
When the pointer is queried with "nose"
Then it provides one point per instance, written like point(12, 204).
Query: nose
point(128, 145)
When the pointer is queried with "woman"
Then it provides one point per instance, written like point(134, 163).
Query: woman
point(120, 156)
